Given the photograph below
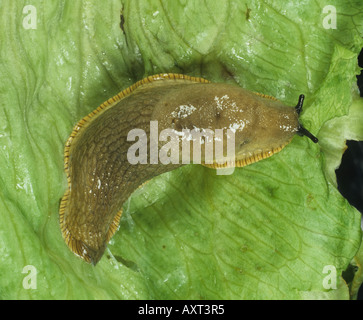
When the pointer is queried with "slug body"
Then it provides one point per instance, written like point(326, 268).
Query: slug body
point(100, 176)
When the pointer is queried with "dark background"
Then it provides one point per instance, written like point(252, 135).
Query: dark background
point(350, 172)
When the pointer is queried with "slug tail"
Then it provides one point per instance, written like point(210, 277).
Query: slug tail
point(78, 247)
point(114, 225)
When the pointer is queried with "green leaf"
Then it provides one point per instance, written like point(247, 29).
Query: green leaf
point(277, 229)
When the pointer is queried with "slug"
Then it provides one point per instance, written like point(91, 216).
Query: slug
point(100, 177)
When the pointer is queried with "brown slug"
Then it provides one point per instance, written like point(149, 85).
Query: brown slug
point(100, 175)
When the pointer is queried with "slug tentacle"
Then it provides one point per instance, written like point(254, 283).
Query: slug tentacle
point(148, 129)
point(301, 130)
point(300, 103)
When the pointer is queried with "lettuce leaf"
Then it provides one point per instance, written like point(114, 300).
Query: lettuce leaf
point(278, 229)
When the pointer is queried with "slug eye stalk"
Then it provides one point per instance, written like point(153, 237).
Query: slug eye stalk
point(301, 130)
point(299, 105)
